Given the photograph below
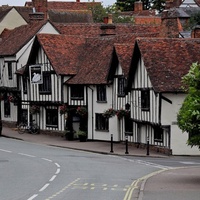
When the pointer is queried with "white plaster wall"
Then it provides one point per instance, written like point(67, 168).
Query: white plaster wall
point(96, 107)
point(12, 20)
point(169, 117)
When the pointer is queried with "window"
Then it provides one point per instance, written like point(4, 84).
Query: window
point(10, 73)
point(101, 93)
point(121, 86)
point(25, 85)
point(158, 134)
point(145, 100)
point(102, 123)
point(45, 88)
point(52, 117)
point(128, 125)
point(77, 92)
point(6, 108)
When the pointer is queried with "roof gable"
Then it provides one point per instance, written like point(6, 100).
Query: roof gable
point(62, 51)
point(13, 41)
point(166, 61)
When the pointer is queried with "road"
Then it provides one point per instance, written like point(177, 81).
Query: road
point(32, 171)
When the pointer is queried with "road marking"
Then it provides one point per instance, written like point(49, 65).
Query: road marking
point(52, 178)
point(44, 187)
point(5, 151)
point(33, 197)
point(135, 183)
point(190, 163)
point(63, 189)
point(28, 155)
point(57, 171)
point(47, 159)
point(57, 165)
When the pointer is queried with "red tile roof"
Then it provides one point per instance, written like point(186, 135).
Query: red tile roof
point(15, 39)
point(97, 57)
point(63, 52)
point(167, 60)
point(124, 54)
point(68, 5)
point(94, 29)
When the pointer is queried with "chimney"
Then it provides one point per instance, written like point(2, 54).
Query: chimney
point(109, 18)
point(138, 6)
point(78, 1)
point(169, 26)
point(169, 4)
point(196, 32)
point(40, 6)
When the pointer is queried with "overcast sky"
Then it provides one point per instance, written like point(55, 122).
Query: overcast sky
point(22, 2)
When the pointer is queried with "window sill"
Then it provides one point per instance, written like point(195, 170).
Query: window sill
point(77, 98)
point(52, 126)
point(145, 109)
point(101, 101)
point(46, 93)
point(101, 130)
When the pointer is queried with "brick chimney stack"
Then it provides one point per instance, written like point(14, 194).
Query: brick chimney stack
point(78, 1)
point(138, 6)
point(40, 6)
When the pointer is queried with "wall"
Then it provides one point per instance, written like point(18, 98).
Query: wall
point(12, 19)
point(169, 117)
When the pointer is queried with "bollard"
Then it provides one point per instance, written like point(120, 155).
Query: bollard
point(148, 146)
point(126, 145)
point(111, 142)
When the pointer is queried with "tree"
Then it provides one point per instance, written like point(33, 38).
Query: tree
point(128, 5)
point(99, 12)
point(194, 20)
point(188, 117)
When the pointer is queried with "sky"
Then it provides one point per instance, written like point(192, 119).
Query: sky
point(22, 2)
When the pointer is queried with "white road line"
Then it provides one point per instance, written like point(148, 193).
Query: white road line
point(44, 187)
point(28, 155)
point(57, 171)
point(5, 151)
point(33, 197)
point(47, 159)
point(52, 178)
point(57, 164)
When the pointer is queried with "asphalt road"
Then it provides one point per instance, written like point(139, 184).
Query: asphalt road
point(32, 171)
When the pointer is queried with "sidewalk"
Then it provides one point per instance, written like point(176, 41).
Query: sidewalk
point(92, 146)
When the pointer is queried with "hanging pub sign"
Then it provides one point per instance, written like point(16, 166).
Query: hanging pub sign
point(35, 74)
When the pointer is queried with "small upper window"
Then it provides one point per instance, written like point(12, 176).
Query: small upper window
point(121, 86)
point(145, 100)
point(45, 87)
point(101, 93)
point(10, 71)
point(77, 92)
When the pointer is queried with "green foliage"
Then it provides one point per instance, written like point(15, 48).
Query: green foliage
point(128, 5)
point(98, 13)
point(189, 114)
point(159, 5)
point(125, 5)
point(194, 20)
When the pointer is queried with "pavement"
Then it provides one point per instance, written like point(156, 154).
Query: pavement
point(178, 183)
point(92, 146)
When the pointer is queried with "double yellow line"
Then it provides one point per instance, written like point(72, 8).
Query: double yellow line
point(135, 183)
